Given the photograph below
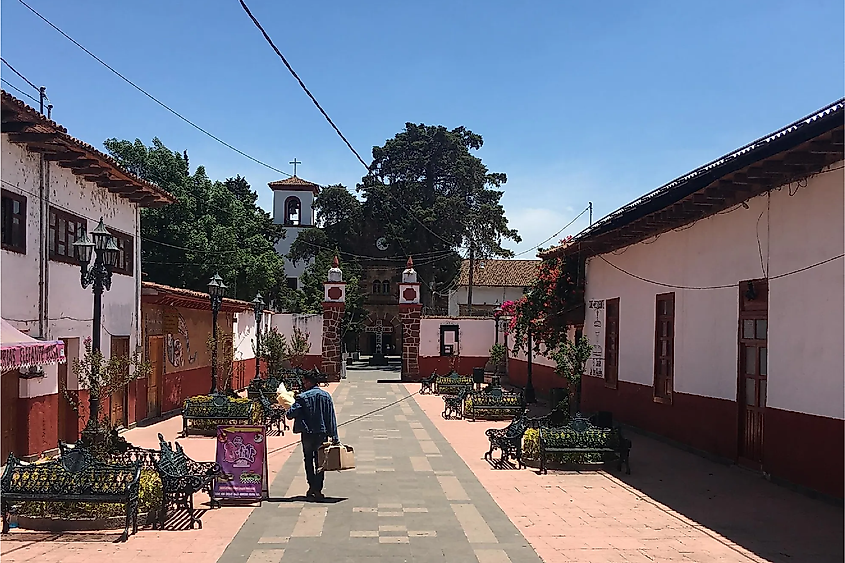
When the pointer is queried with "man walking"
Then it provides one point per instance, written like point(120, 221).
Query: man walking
point(314, 419)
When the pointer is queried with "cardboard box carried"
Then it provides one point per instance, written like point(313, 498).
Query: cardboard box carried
point(336, 458)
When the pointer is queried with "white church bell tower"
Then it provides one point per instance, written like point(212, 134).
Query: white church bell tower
point(293, 207)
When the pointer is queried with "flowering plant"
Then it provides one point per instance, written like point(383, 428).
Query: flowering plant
point(542, 309)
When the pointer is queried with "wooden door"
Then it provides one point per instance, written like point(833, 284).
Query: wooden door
point(118, 407)
point(753, 370)
point(68, 421)
point(8, 414)
point(155, 352)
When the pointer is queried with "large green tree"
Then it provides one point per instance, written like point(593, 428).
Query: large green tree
point(214, 226)
point(431, 196)
point(340, 220)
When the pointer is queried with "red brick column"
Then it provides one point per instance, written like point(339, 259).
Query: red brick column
point(332, 317)
point(410, 316)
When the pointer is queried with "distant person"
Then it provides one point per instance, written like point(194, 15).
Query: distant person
point(314, 419)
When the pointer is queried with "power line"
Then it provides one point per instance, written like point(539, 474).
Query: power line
point(554, 235)
point(10, 85)
point(726, 286)
point(329, 119)
point(150, 96)
point(25, 79)
point(301, 83)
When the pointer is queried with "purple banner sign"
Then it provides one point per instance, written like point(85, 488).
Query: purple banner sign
point(242, 454)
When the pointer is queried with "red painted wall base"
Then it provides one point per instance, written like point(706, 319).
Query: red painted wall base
point(441, 364)
point(790, 439)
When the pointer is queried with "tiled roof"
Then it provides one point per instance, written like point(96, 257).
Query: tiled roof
point(500, 273)
point(789, 154)
point(26, 126)
point(295, 183)
point(179, 297)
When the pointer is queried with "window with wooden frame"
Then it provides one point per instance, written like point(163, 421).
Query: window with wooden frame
point(611, 343)
point(65, 229)
point(126, 254)
point(664, 348)
point(14, 222)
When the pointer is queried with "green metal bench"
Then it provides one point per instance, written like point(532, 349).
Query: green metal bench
point(217, 407)
point(579, 436)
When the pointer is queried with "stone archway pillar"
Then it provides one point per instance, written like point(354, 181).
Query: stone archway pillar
point(410, 311)
point(334, 307)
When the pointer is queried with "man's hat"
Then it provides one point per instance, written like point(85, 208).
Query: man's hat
point(310, 376)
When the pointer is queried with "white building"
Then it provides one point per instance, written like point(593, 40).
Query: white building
point(293, 207)
point(717, 301)
point(54, 188)
point(493, 283)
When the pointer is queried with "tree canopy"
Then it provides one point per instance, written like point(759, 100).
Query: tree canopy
point(214, 226)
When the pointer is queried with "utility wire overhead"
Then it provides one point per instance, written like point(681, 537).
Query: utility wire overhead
point(147, 94)
point(25, 79)
point(554, 235)
point(10, 85)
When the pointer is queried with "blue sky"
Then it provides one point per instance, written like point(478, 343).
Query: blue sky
point(576, 102)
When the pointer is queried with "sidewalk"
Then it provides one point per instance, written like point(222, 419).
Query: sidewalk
point(175, 541)
point(675, 506)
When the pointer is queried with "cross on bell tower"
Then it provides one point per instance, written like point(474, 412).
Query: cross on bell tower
point(294, 162)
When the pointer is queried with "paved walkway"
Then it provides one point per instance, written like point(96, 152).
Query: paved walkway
point(411, 497)
point(423, 492)
point(675, 506)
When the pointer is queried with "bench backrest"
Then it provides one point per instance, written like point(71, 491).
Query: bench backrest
point(76, 474)
point(496, 396)
point(172, 462)
point(580, 433)
point(555, 419)
point(216, 407)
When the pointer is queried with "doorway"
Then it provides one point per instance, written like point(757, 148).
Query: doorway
point(752, 370)
point(155, 352)
point(119, 397)
point(8, 413)
point(68, 420)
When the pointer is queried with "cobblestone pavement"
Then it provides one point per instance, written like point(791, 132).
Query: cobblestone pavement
point(411, 497)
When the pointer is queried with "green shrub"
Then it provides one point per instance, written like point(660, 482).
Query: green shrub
point(149, 500)
point(531, 450)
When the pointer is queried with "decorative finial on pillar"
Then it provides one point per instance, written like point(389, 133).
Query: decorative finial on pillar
point(335, 274)
point(410, 263)
point(410, 274)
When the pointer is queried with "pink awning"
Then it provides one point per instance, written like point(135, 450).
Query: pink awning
point(19, 350)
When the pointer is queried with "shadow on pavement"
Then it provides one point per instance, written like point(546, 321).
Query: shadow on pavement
point(771, 521)
point(302, 498)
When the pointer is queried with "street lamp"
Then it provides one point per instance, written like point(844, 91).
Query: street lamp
point(258, 308)
point(101, 246)
point(216, 291)
point(497, 313)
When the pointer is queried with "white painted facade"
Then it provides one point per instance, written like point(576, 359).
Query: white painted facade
point(311, 325)
point(806, 330)
point(475, 335)
point(482, 295)
point(65, 310)
point(243, 330)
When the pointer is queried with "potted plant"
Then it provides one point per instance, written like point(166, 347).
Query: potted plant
point(274, 350)
point(298, 348)
point(570, 360)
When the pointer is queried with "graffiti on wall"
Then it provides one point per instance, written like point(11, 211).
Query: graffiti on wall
point(176, 330)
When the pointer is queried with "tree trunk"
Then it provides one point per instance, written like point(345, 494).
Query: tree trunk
point(471, 272)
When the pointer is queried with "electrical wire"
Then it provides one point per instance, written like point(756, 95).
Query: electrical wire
point(10, 85)
point(150, 96)
point(351, 420)
point(727, 286)
point(554, 235)
point(25, 79)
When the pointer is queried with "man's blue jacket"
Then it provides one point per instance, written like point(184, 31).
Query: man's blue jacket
point(313, 413)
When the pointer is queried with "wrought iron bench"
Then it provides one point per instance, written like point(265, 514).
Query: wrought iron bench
point(181, 477)
point(453, 405)
point(260, 386)
point(427, 384)
point(579, 436)
point(493, 402)
point(452, 384)
point(508, 440)
point(75, 477)
point(216, 407)
point(272, 414)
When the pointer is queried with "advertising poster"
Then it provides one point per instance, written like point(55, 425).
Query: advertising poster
point(242, 454)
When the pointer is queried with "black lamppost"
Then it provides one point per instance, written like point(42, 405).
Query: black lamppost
point(530, 395)
point(103, 249)
point(258, 308)
point(497, 313)
point(216, 291)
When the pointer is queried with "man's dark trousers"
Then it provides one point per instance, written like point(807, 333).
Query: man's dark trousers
point(310, 444)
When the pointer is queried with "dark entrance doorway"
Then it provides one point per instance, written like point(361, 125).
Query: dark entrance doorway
point(753, 370)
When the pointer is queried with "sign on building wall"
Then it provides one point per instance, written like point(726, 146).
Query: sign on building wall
point(594, 331)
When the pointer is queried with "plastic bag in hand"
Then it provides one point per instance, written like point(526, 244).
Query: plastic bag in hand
point(284, 397)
